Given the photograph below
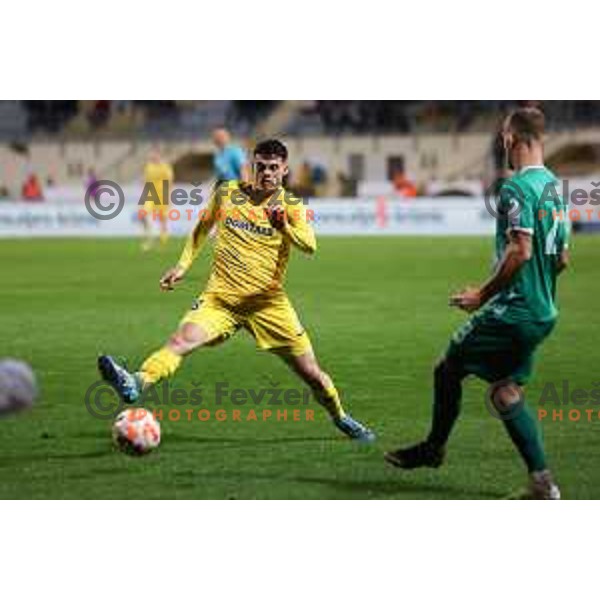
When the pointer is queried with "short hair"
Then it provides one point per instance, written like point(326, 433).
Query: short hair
point(271, 147)
point(527, 124)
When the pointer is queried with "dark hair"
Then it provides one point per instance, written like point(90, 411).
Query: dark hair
point(527, 124)
point(271, 148)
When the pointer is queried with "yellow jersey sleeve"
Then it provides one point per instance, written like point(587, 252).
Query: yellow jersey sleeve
point(197, 238)
point(298, 227)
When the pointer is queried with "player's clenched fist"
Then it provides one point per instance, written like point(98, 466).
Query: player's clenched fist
point(276, 216)
point(170, 278)
point(468, 299)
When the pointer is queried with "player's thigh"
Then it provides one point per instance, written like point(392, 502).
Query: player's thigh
point(488, 348)
point(275, 325)
point(188, 337)
point(210, 319)
point(529, 337)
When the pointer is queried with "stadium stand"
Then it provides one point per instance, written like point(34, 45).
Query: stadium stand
point(337, 148)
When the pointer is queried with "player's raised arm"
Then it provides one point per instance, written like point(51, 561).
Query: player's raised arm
point(298, 227)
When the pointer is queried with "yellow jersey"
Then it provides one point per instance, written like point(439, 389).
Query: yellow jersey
point(158, 177)
point(250, 255)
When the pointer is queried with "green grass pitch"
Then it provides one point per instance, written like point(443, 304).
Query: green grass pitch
point(376, 309)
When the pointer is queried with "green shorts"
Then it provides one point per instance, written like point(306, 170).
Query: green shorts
point(494, 349)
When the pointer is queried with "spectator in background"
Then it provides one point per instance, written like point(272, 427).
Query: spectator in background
point(319, 179)
point(403, 185)
point(347, 186)
point(230, 161)
point(303, 181)
point(4, 193)
point(91, 183)
point(100, 114)
point(158, 178)
point(32, 190)
point(49, 115)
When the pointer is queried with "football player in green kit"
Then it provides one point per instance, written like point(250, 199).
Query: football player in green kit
point(514, 310)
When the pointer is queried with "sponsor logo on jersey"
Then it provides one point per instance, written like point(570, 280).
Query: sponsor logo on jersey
point(249, 227)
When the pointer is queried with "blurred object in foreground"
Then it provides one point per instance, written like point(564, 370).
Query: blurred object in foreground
point(18, 386)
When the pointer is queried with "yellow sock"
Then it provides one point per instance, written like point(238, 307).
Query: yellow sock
point(329, 399)
point(164, 238)
point(163, 363)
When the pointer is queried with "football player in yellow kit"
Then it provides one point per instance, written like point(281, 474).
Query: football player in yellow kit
point(158, 178)
point(256, 226)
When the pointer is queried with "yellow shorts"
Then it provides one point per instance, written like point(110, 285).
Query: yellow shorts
point(270, 319)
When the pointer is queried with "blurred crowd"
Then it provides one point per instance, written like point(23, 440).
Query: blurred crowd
point(326, 117)
point(412, 116)
point(314, 177)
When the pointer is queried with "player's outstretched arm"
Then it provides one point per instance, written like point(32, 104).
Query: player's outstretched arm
point(203, 226)
point(170, 278)
point(193, 245)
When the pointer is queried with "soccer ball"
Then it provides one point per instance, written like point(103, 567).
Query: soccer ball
point(18, 386)
point(136, 431)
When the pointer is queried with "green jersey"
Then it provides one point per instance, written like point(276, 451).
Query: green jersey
point(530, 201)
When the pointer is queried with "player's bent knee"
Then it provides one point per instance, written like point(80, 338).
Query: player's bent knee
point(177, 343)
point(188, 338)
point(506, 395)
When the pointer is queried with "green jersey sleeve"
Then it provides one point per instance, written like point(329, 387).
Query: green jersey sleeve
point(517, 206)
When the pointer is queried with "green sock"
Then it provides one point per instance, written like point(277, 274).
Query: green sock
point(526, 436)
point(446, 404)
